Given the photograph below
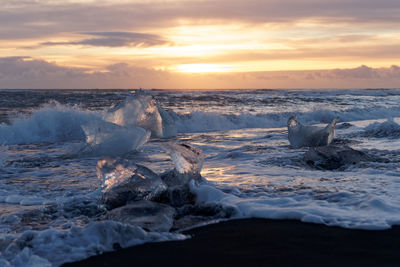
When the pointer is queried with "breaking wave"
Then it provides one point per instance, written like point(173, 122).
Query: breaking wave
point(199, 121)
point(61, 123)
point(52, 123)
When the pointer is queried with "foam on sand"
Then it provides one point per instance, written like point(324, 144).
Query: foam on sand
point(32, 248)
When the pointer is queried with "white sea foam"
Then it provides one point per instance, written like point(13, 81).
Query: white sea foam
point(54, 247)
point(387, 128)
point(373, 213)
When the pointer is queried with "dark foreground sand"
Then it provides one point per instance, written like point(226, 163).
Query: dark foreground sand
point(257, 242)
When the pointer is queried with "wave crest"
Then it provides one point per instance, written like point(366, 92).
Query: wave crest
point(52, 123)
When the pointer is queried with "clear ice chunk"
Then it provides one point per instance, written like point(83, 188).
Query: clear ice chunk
point(188, 162)
point(142, 110)
point(186, 159)
point(125, 181)
point(106, 138)
point(168, 123)
point(312, 136)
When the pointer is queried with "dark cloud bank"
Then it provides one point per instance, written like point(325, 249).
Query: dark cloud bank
point(25, 73)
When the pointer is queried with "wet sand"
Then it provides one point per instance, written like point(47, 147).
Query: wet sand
point(259, 242)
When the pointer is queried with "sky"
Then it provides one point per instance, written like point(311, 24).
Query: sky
point(199, 44)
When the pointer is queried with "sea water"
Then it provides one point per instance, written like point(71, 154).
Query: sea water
point(51, 208)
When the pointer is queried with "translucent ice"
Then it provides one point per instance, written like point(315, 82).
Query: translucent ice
point(188, 162)
point(107, 138)
point(146, 214)
point(142, 110)
point(168, 123)
point(123, 180)
point(305, 135)
point(186, 159)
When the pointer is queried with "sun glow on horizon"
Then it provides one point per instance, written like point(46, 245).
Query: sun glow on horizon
point(201, 68)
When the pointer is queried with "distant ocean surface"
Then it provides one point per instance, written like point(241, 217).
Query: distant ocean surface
point(51, 208)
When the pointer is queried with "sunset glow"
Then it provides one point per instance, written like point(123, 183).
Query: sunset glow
point(192, 37)
point(201, 68)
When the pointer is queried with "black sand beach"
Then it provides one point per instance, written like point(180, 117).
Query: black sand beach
point(259, 242)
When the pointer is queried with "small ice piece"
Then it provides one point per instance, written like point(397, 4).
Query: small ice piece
point(107, 138)
point(168, 123)
point(145, 214)
point(188, 162)
point(312, 136)
point(186, 158)
point(142, 110)
point(124, 180)
point(333, 157)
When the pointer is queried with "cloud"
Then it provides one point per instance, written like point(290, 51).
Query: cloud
point(29, 19)
point(363, 72)
point(28, 68)
point(328, 53)
point(116, 39)
point(359, 77)
point(26, 73)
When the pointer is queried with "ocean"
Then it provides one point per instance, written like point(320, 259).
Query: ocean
point(52, 188)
